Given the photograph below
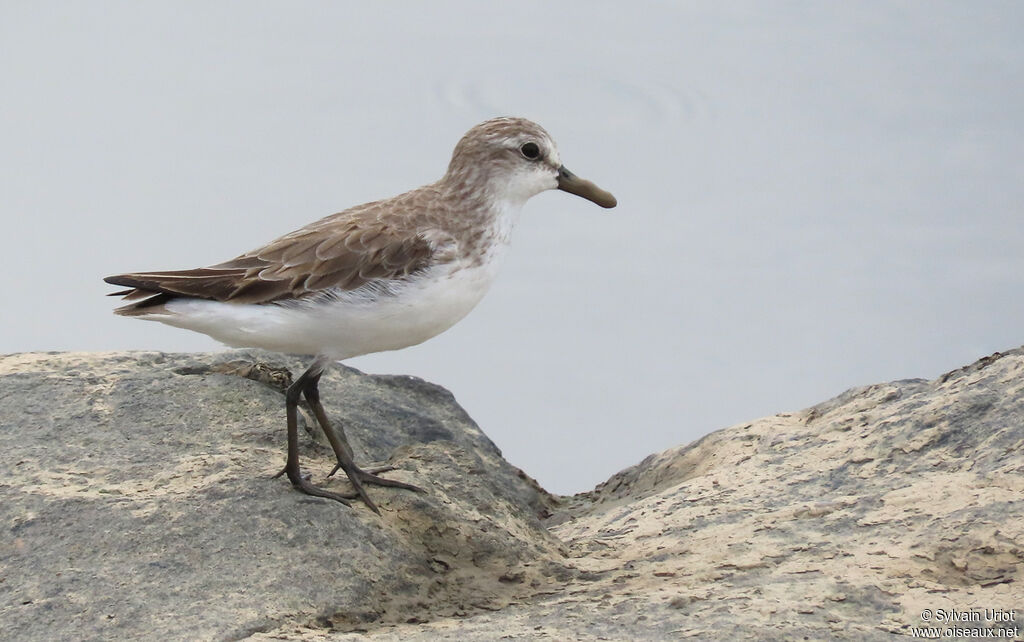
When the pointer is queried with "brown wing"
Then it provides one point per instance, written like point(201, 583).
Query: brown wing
point(336, 252)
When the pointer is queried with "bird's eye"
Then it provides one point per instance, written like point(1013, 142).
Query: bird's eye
point(530, 150)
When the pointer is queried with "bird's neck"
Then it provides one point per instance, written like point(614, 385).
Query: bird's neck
point(481, 217)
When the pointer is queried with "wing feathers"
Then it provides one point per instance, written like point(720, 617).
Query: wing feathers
point(391, 239)
point(294, 266)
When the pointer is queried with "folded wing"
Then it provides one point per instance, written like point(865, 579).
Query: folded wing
point(327, 255)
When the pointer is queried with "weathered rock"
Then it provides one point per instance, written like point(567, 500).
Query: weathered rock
point(139, 505)
point(137, 502)
point(848, 519)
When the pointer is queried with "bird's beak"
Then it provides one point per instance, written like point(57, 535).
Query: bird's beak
point(569, 182)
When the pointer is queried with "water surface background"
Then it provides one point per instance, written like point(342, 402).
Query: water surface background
point(812, 195)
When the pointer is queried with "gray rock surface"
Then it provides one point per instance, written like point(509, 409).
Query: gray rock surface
point(137, 502)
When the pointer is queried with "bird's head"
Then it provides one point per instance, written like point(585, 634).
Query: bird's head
point(513, 159)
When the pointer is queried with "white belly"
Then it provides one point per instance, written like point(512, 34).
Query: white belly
point(346, 325)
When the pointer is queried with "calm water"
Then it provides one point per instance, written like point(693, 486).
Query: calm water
point(811, 197)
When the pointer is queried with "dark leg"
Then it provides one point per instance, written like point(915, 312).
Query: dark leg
point(291, 467)
point(342, 450)
point(344, 440)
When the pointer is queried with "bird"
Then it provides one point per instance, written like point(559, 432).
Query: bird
point(380, 276)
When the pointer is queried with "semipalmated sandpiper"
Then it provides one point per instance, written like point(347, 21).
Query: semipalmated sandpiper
point(375, 277)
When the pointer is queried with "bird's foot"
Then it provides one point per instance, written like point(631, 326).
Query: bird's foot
point(357, 476)
point(306, 476)
point(304, 486)
point(370, 477)
point(374, 469)
point(301, 481)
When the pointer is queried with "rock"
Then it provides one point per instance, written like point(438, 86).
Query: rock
point(137, 494)
point(847, 519)
point(138, 502)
